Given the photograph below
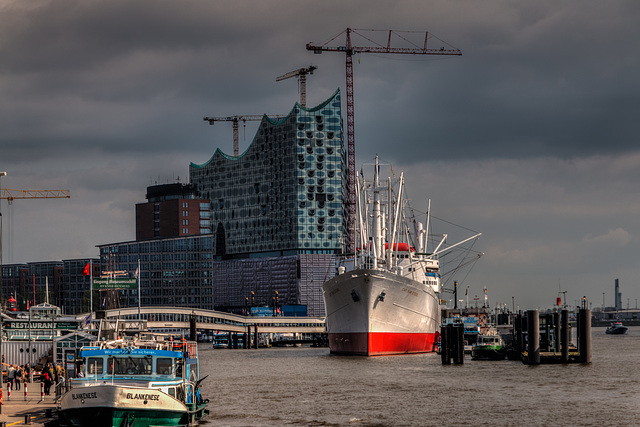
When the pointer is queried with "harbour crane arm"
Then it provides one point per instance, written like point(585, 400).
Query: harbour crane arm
point(379, 48)
point(212, 120)
point(235, 120)
point(301, 73)
point(11, 195)
point(349, 49)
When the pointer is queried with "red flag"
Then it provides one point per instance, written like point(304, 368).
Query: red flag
point(86, 270)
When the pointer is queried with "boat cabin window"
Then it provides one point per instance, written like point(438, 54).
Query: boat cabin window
point(172, 391)
point(94, 365)
point(164, 365)
point(129, 365)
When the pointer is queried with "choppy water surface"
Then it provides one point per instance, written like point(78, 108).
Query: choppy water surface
point(310, 387)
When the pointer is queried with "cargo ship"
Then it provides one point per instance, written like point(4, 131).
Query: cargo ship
point(385, 299)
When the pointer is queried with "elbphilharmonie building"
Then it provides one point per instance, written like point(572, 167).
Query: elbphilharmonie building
point(270, 219)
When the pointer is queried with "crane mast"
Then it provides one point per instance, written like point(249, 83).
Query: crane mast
point(235, 120)
point(349, 49)
point(302, 81)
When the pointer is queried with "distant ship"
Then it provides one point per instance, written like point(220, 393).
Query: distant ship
point(616, 328)
point(489, 346)
point(385, 299)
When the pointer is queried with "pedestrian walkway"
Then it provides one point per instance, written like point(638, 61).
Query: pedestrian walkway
point(15, 410)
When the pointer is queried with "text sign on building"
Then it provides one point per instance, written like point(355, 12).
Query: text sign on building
point(38, 325)
point(114, 283)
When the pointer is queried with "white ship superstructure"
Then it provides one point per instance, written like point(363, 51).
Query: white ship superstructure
point(386, 298)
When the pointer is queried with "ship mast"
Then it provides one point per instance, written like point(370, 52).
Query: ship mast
point(377, 226)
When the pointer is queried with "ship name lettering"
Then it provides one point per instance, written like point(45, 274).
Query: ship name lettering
point(333, 292)
point(143, 396)
point(76, 396)
point(409, 291)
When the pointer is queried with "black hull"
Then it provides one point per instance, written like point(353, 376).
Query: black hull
point(616, 331)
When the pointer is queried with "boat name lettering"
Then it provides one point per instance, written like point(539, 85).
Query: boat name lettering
point(76, 396)
point(334, 291)
point(143, 396)
point(409, 291)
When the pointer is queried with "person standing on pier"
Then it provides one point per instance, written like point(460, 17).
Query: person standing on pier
point(47, 379)
point(18, 376)
point(11, 375)
point(27, 373)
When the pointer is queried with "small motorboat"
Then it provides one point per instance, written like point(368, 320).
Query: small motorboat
point(489, 346)
point(616, 328)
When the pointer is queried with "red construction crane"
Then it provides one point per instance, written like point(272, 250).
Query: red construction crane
point(235, 120)
point(302, 81)
point(349, 49)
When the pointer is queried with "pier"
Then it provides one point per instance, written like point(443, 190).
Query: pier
point(546, 339)
point(211, 320)
point(529, 337)
point(32, 409)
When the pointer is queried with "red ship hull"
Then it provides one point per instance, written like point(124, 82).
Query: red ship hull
point(381, 343)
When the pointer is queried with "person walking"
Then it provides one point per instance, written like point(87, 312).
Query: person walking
point(47, 379)
point(27, 373)
point(11, 375)
point(18, 379)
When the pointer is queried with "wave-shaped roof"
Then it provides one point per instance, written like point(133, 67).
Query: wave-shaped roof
point(273, 122)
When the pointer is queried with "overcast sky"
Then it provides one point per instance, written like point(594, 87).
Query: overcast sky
point(530, 137)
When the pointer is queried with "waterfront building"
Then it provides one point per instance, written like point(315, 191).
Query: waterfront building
point(73, 296)
point(67, 288)
point(276, 218)
point(172, 210)
point(285, 193)
point(28, 282)
point(257, 229)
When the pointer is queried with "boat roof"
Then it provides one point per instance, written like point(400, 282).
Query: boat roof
point(127, 351)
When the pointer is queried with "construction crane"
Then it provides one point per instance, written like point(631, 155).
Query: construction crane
point(235, 120)
point(302, 81)
point(11, 195)
point(349, 49)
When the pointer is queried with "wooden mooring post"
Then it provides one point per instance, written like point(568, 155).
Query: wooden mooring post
point(452, 344)
point(556, 347)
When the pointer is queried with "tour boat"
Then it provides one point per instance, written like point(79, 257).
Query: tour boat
point(135, 382)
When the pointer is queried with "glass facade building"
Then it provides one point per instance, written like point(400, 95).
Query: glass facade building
point(285, 193)
point(276, 214)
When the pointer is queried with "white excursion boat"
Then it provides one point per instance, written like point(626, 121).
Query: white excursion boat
point(616, 328)
point(135, 382)
point(386, 297)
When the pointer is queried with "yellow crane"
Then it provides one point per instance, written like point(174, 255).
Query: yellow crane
point(302, 81)
point(11, 195)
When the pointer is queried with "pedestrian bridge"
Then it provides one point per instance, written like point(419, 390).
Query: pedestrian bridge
point(179, 318)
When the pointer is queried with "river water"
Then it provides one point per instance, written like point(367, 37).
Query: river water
point(309, 387)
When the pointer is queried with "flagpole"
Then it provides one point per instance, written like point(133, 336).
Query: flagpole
point(91, 288)
point(139, 296)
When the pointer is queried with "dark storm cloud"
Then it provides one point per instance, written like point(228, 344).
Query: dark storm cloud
point(530, 136)
point(538, 80)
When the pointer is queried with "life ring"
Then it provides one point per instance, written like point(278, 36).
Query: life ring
point(1, 402)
